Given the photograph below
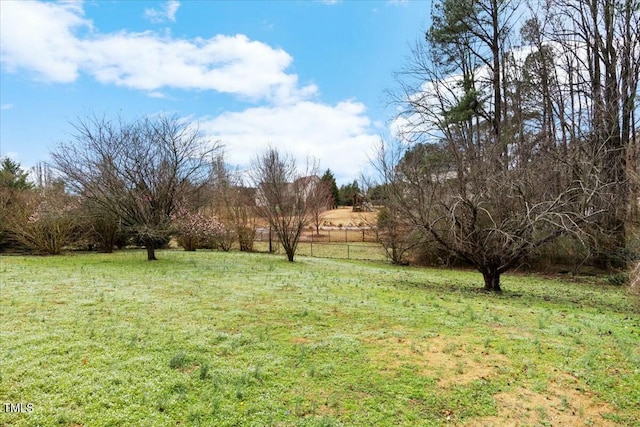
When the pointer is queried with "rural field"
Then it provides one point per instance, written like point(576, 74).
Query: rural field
point(235, 339)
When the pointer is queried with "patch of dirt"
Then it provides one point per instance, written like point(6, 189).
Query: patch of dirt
point(456, 362)
point(451, 362)
point(300, 340)
point(557, 406)
point(189, 369)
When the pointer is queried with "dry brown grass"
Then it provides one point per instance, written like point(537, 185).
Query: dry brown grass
point(557, 406)
point(344, 216)
point(456, 362)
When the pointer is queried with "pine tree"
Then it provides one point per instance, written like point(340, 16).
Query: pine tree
point(330, 180)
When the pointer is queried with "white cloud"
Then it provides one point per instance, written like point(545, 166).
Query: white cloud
point(46, 39)
point(6, 107)
point(167, 12)
point(39, 37)
point(339, 136)
point(158, 95)
point(56, 43)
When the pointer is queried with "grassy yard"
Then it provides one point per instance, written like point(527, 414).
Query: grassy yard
point(341, 250)
point(234, 339)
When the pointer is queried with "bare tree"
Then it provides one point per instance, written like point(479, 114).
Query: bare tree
point(139, 171)
point(599, 42)
point(233, 203)
point(481, 177)
point(396, 234)
point(323, 200)
point(284, 196)
point(492, 222)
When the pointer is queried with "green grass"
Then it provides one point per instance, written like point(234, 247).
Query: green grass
point(226, 339)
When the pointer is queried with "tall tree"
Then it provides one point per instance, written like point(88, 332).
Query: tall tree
point(475, 181)
point(600, 43)
point(330, 181)
point(139, 171)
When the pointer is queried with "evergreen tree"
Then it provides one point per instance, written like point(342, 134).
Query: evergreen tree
point(330, 181)
point(347, 192)
point(12, 176)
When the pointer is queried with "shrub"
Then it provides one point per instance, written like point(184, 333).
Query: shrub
point(46, 221)
point(246, 236)
point(194, 230)
point(618, 279)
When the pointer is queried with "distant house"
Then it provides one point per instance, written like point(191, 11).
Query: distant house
point(302, 187)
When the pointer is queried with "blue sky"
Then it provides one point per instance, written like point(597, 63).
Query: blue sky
point(307, 77)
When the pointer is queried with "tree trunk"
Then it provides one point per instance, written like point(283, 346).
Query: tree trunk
point(491, 280)
point(151, 252)
point(290, 254)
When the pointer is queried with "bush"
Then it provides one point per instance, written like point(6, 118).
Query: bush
point(194, 230)
point(45, 221)
point(618, 279)
point(246, 236)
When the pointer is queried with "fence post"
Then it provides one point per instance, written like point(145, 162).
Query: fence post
point(363, 235)
point(348, 253)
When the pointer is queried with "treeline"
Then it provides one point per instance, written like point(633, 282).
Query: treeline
point(142, 183)
point(517, 127)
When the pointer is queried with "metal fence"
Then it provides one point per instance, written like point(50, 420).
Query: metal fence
point(345, 243)
point(354, 251)
point(332, 235)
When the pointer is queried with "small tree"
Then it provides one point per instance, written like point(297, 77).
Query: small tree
point(283, 196)
point(12, 176)
point(233, 204)
point(137, 171)
point(322, 201)
point(491, 221)
point(396, 235)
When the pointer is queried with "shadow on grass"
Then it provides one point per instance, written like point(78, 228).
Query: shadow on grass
point(540, 291)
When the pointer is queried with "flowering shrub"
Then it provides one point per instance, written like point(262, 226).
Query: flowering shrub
point(46, 221)
point(194, 230)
